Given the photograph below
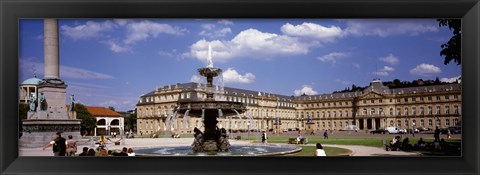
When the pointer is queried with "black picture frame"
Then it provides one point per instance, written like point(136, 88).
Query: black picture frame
point(11, 11)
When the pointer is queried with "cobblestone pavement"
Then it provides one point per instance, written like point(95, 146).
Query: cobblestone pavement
point(159, 142)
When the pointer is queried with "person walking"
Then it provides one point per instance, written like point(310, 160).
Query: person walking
point(71, 146)
point(325, 135)
point(436, 134)
point(264, 137)
point(59, 145)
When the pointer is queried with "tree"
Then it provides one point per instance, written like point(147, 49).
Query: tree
point(88, 122)
point(130, 121)
point(452, 49)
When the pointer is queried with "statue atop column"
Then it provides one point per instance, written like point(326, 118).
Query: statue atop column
point(72, 103)
point(209, 58)
point(42, 102)
point(32, 102)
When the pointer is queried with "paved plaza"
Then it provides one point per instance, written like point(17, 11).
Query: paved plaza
point(166, 142)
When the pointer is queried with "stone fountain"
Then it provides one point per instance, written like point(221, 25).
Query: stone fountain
point(212, 139)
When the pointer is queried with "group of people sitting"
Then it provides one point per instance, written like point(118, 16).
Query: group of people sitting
point(102, 151)
point(405, 145)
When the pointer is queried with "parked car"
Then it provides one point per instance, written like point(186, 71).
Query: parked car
point(378, 131)
point(285, 130)
point(455, 129)
point(443, 131)
point(395, 130)
point(351, 128)
point(413, 130)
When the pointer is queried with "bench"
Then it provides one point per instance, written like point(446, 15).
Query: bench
point(294, 141)
point(238, 137)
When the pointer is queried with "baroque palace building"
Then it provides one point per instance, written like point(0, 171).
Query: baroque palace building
point(375, 107)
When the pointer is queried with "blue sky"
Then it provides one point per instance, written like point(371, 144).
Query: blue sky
point(109, 62)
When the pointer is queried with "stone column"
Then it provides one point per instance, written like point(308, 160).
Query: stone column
point(51, 51)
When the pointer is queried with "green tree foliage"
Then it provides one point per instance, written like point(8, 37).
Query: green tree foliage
point(130, 121)
point(88, 122)
point(451, 50)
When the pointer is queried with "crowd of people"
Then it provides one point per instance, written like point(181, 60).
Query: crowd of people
point(62, 147)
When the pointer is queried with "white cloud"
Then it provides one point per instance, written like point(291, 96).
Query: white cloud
point(115, 47)
point(450, 80)
point(225, 22)
point(390, 59)
point(356, 65)
point(425, 70)
point(88, 30)
point(385, 28)
point(381, 73)
point(306, 89)
point(387, 69)
point(122, 22)
point(232, 76)
point(65, 71)
point(138, 31)
point(332, 57)
point(313, 31)
point(249, 43)
point(197, 79)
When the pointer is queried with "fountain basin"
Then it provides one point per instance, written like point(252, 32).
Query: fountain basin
point(235, 150)
point(211, 107)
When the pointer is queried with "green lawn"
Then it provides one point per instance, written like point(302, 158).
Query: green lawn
point(375, 142)
point(330, 151)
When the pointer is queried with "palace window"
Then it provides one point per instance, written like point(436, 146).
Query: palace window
point(398, 111)
point(364, 111)
point(323, 124)
point(447, 97)
point(437, 97)
point(447, 122)
point(406, 100)
point(340, 124)
point(429, 98)
point(380, 111)
point(422, 122)
point(421, 99)
point(437, 111)
point(380, 101)
point(318, 114)
point(398, 100)
point(334, 124)
point(329, 114)
point(421, 110)
point(414, 111)
point(391, 111)
point(414, 122)
point(430, 110)
point(455, 108)
point(430, 123)
point(390, 100)
point(399, 123)
point(346, 113)
point(341, 114)
point(364, 101)
point(323, 114)
point(414, 99)
point(406, 111)
point(447, 109)
point(455, 122)
point(406, 123)
point(372, 101)
point(455, 97)
point(391, 122)
point(329, 124)
point(372, 111)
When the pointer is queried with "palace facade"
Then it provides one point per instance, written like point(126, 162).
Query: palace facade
point(375, 107)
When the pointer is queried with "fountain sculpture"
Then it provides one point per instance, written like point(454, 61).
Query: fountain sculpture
point(212, 139)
